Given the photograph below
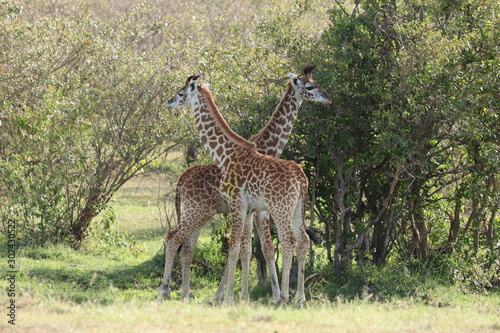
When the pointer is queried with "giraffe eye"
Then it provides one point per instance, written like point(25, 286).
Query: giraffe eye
point(180, 94)
point(309, 88)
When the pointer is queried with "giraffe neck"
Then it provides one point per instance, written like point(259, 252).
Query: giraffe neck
point(220, 141)
point(272, 139)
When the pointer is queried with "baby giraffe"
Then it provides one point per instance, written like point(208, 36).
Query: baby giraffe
point(197, 195)
point(250, 182)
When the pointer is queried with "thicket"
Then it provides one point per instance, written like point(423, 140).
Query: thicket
point(403, 166)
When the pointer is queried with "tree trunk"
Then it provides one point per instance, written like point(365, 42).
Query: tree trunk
point(328, 238)
point(419, 246)
point(455, 221)
point(191, 153)
point(490, 228)
point(342, 224)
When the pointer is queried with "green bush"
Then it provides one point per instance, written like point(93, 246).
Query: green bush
point(406, 158)
point(79, 118)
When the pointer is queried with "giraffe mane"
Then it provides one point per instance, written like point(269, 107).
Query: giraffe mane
point(273, 116)
point(221, 122)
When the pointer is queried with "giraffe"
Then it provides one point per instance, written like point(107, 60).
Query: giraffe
point(197, 193)
point(250, 182)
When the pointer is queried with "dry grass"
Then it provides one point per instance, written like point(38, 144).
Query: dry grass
point(144, 203)
point(177, 317)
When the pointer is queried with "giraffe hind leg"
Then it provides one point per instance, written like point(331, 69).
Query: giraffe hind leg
point(171, 246)
point(174, 239)
point(262, 223)
point(187, 254)
point(288, 242)
point(302, 248)
point(303, 242)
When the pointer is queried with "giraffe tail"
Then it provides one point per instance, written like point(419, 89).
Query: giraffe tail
point(177, 205)
point(312, 236)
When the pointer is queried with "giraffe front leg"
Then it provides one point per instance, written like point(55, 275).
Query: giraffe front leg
point(288, 243)
point(245, 256)
point(219, 294)
point(238, 213)
point(233, 253)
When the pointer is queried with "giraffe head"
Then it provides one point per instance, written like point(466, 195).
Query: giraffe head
point(307, 89)
point(185, 94)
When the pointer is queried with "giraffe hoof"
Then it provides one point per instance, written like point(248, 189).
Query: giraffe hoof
point(163, 293)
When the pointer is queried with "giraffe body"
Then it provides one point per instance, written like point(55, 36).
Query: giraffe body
point(198, 196)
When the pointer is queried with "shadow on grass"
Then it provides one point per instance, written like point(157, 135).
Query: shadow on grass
point(96, 285)
point(148, 234)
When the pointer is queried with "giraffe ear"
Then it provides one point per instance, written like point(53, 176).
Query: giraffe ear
point(293, 78)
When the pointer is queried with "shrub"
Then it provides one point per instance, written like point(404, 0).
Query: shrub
point(79, 118)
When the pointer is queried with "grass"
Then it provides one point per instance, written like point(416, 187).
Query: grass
point(356, 316)
point(110, 285)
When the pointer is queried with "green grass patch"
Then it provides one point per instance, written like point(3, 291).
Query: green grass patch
point(173, 316)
